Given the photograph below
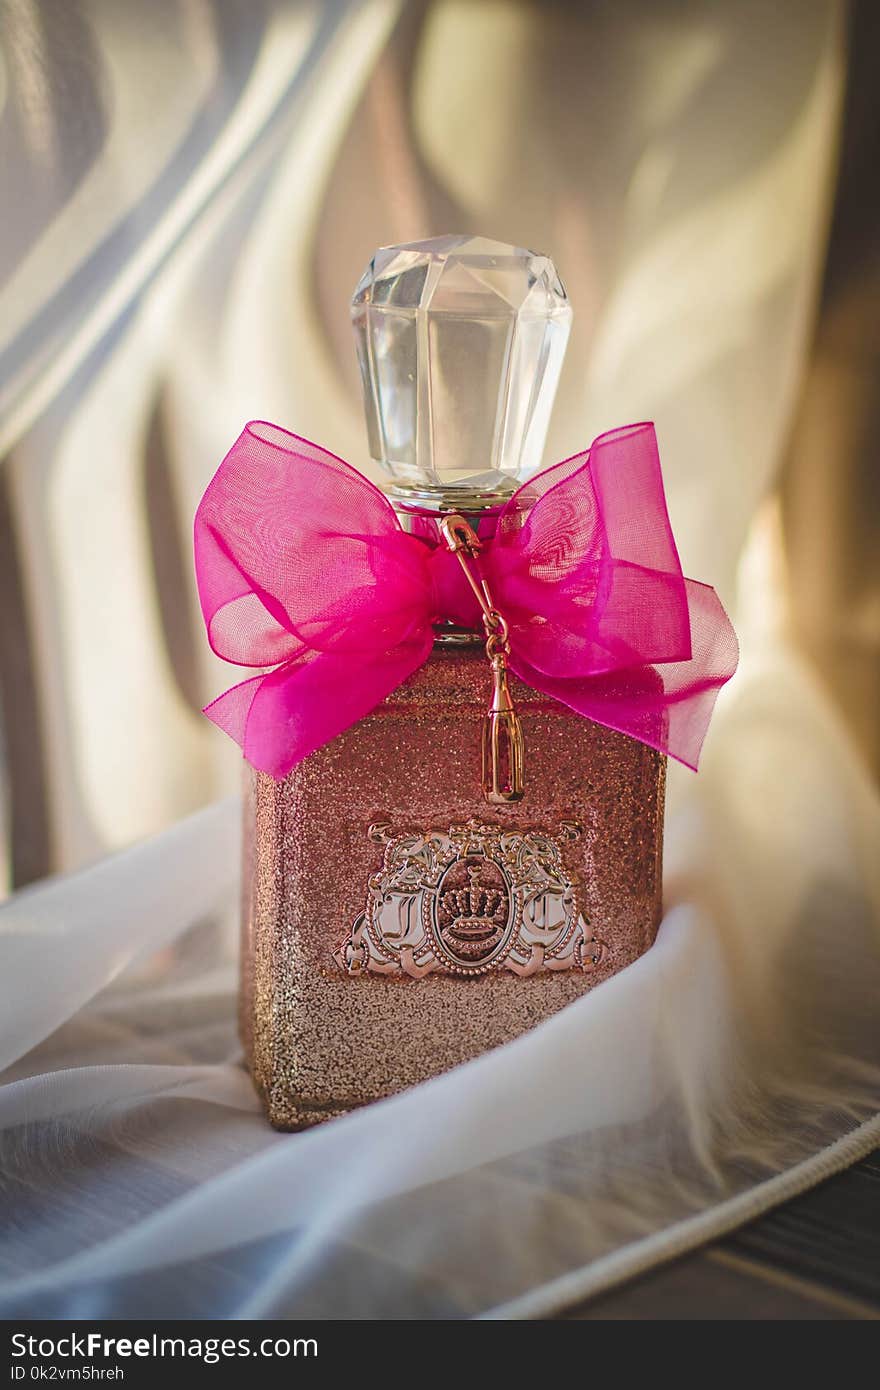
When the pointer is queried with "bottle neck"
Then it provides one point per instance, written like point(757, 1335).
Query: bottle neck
point(421, 517)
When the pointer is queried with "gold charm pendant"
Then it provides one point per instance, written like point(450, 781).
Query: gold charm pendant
point(503, 750)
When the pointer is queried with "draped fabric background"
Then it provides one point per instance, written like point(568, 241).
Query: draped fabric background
point(190, 190)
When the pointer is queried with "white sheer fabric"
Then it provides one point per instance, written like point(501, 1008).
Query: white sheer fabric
point(682, 185)
point(141, 1179)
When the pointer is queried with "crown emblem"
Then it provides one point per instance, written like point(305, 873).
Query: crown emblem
point(467, 900)
point(472, 908)
point(473, 911)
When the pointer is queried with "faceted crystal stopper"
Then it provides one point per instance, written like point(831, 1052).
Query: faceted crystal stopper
point(460, 342)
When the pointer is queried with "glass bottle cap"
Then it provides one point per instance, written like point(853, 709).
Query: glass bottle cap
point(460, 342)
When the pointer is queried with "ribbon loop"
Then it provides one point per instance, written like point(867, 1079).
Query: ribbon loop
point(302, 566)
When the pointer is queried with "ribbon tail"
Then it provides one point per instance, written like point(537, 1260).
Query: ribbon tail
point(231, 709)
point(667, 706)
point(280, 718)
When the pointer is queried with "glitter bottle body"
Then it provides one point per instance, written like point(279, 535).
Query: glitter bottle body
point(336, 1009)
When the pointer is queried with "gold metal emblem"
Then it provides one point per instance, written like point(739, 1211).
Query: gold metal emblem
point(468, 900)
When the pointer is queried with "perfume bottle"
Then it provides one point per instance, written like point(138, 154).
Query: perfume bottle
point(472, 855)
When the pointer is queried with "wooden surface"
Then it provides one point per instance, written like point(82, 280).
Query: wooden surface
point(816, 1257)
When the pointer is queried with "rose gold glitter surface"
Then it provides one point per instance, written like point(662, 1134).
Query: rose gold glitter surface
point(319, 1041)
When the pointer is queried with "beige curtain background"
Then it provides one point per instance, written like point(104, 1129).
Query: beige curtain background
point(190, 191)
point(829, 491)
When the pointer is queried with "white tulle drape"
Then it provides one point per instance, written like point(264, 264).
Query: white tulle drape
point(684, 190)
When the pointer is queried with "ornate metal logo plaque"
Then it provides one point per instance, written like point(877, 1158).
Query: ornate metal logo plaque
point(468, 900)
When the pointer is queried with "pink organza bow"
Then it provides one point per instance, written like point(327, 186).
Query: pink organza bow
point(302, 566)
